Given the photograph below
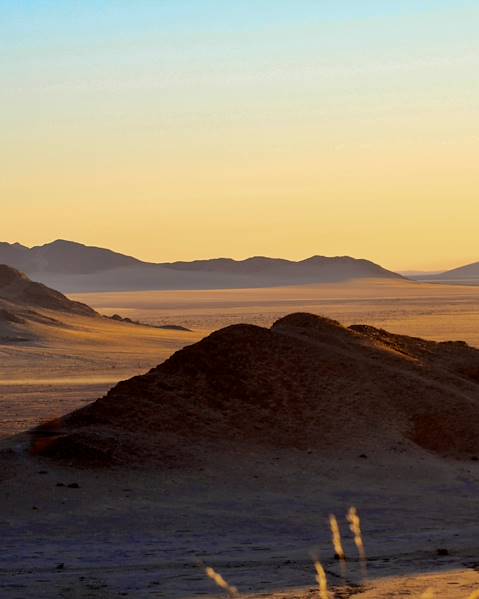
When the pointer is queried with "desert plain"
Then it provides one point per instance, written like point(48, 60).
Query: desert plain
point(257, 515)
point(80, 361)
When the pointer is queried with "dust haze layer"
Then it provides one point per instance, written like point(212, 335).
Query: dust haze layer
point(307, 382)
point(73, 267)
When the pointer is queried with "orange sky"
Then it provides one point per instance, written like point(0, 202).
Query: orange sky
point(288, 133)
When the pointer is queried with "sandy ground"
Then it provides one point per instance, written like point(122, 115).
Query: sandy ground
point(75, 363)
point(452, 584)
point(81, 361)
point(143, 533)
point(255, 518)
point(439, 312)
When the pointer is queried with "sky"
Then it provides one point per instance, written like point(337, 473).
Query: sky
point(185, 129)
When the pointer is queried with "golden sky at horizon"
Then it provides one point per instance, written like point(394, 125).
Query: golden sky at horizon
point(278, 130)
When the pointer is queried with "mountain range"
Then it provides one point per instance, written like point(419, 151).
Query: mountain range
point(74, 267)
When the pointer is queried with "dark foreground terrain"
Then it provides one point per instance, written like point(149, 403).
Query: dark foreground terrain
point(233, 453)
point(254, 515)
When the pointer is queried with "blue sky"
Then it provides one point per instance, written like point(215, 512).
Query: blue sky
point(59, 20)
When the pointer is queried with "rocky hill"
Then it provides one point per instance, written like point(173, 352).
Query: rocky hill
point(307, 383)
point(18, 290)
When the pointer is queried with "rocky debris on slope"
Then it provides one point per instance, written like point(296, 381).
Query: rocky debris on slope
point(172, 327)
point(455, 357)
point(18, 289)
point(308, 382)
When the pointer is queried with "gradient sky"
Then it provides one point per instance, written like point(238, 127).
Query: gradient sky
point(176, 129)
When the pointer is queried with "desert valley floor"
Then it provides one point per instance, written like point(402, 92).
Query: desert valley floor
point(258, 516)
point(70, 368)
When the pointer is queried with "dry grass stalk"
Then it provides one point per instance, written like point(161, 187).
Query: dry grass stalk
point(338, 544)
point(336, 537)
point(221, 582)
point(321, 580)
point(355, 526)
point(474, 595)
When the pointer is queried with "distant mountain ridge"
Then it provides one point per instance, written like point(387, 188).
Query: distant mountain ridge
point(63, 256)
point(467, 273)
point(74, 267)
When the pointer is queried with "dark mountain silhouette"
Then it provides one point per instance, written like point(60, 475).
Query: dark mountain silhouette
point(17, 290)
point(468, 273)
point(333, 268)
point(14, 254)
point(306, 383)
point(72, 267)
point(63, 257)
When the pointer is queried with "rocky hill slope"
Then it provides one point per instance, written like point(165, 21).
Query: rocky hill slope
point(18, 290)
point(307, 383)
